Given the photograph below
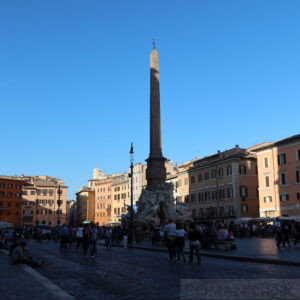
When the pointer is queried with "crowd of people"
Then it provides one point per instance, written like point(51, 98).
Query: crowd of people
point(173, 235)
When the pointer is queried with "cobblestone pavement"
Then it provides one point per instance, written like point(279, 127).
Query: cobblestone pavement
point(16, 284)
point(120, 273)
point(254, 247)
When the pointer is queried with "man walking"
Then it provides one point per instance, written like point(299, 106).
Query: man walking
point(93, 239)
point(170, 232)
point(64, 235)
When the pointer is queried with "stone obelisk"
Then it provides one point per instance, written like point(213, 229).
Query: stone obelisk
point(156, 170)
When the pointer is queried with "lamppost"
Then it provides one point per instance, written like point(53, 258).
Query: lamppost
point(58, 205)
point(131, 152)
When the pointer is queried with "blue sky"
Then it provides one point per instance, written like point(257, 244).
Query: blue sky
point(74, 80)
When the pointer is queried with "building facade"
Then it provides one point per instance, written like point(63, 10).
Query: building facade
point(120, 197)
point(71, 212)
point(85, 205)
point(279, 177)
point(11, 200)
point(103, 196)
point(41, 196)
point(224, 186)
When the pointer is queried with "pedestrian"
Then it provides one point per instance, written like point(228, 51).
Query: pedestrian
point(64, 237)
point(108, 237)
point(278, 232)
point(170, 233)
point(125, 237)
point(180, 242)
point(85, 239)
point(79, 236)
point(194, 242)
point(93, 239)
point(286, 231)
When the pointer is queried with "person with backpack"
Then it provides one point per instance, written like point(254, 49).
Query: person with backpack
point(194, 241)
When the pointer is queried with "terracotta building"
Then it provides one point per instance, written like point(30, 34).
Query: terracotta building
point(224, 186)
point(103, 196)
point(40, 197)
point(10, 199)
point(85, 205)
point(279, 177)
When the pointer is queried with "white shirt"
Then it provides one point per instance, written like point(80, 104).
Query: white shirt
point(170, 229)
point(79, 232)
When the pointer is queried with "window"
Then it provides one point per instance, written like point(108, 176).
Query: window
point(221, 172)
point(206, 176)
point(213, 195)
point(230, 192)
point(38, 192)
point(199, 177)
point(18, 195)
point(37, 211)
point(193, 198)
point(267, 180)
point(282, 178)
point(298, 195)
point(221, 194)
point(18, 186)
point(2, 185)
point(229, 170)
point(244, 208)
point(194, 213)
point(32, 192)
point(221, 211)
point(213, 174)
point(201, 212)
point(284, 197)
point(268, 199)
point(243, 192)
point(10, 186)
point(207, 196)
point(186, 198)
point(266, 162)
point(24, 192)
point(281, 159)
point(298, 175)
point(231, 210)
point(242, 169)
point(298, 154)
point(2, 194)
point(192, 179)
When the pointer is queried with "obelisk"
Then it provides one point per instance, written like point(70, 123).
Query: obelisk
point(156, 170)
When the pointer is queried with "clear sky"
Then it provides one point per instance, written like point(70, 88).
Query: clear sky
point(74, 80)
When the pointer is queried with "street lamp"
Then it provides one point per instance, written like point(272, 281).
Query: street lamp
point(131, 152)
point(58, 205)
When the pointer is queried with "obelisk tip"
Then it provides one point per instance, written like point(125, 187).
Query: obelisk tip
point(153, 44)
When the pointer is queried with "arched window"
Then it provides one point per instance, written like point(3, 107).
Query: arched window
point(243, 192)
